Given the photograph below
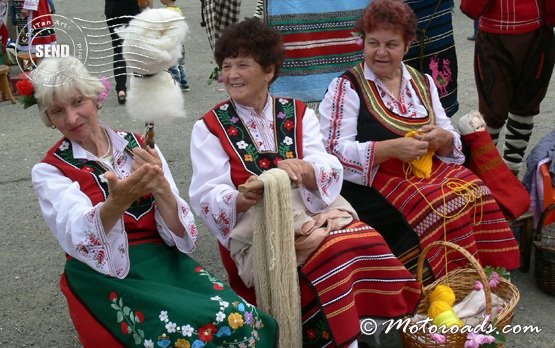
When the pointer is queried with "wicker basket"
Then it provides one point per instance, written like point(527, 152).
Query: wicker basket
point(544, 244)
point(462, 282)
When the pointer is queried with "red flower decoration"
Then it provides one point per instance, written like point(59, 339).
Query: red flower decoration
point(232, 131)
point(199, 269)
point(218, 286)
point(206, 333)
point(125, 328)
point(311, 334)
point(25, 87)
point(276, 161)
point(140, 316)
point(264, 163)
point(113, 296)
point(289, 125)
point(87, 169)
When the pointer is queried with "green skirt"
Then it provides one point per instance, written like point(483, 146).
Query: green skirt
point(168, 300)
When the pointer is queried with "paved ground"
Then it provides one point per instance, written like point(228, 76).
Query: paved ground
point(33, 311)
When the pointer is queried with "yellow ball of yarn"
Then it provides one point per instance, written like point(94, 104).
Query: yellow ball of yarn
point(447, 319)
point(443, 293)
point(438, 307)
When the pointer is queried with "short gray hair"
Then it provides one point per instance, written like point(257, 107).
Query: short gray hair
point(55, 78)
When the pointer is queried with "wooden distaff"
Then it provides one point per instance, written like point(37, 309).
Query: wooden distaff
point(251, 186)
point(149, 135)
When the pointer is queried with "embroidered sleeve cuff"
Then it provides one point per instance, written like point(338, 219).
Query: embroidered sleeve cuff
point(185, 244)
point(106, 252)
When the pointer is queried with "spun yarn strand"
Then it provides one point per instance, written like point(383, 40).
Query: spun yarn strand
point(275, 261)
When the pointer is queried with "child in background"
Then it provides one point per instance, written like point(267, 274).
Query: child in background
point(178, 71)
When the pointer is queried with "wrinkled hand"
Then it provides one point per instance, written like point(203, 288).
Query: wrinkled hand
point(245, 200)
point(143, 156)
point(440, 140)
point(300, 172)
point(408, 149)
point(123, 192)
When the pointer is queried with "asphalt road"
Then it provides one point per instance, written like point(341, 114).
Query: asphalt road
point(33, 312)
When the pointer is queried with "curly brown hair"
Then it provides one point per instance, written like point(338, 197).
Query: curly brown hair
point(390, 15)
point(251, 37)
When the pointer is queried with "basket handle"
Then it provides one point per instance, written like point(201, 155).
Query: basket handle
point(477, 267)
point(543, 216)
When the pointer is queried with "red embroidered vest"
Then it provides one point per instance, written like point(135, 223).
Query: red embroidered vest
point(138, 219)
point(234, 135)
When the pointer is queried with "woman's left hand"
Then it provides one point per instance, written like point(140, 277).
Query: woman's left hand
point(300, 172)
point(440, 140)
point(147, 155)
point(150, 156)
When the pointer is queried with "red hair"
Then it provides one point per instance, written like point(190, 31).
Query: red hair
point(390, 15)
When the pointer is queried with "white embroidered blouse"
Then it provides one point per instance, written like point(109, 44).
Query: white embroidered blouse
point(212, 192)
point(76, 223)
point(339, 117)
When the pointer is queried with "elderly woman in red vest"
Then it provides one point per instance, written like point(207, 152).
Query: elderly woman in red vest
point(116, 212)
point(402, 157)
point(352, 273)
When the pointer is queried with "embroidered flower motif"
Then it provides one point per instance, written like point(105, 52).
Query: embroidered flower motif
point(283, 101)
point(103, 179)
point(232, 131)
point(206, 333)
point(276, 161)
point(164, 341)
point(281, 115)
point(148, 344)
point(289, 125)
point(311, 334)
point(121, 133)
point(163, 316)
point(204, 209)
point(264, 163)
point(234, 119)
point(288, 141)
point(224, 304)
point(224, 107)
point(235, 320)
point(242, 144)
point(171, 327)
point(182, 343)
point(220, 316)
point(248, 158)
point(187, 330)
point(139, 317)
point(64, 145)
point(113, 296)
point(289, 154)
point(249, 318)
point(325, 335)
point(125, 328)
